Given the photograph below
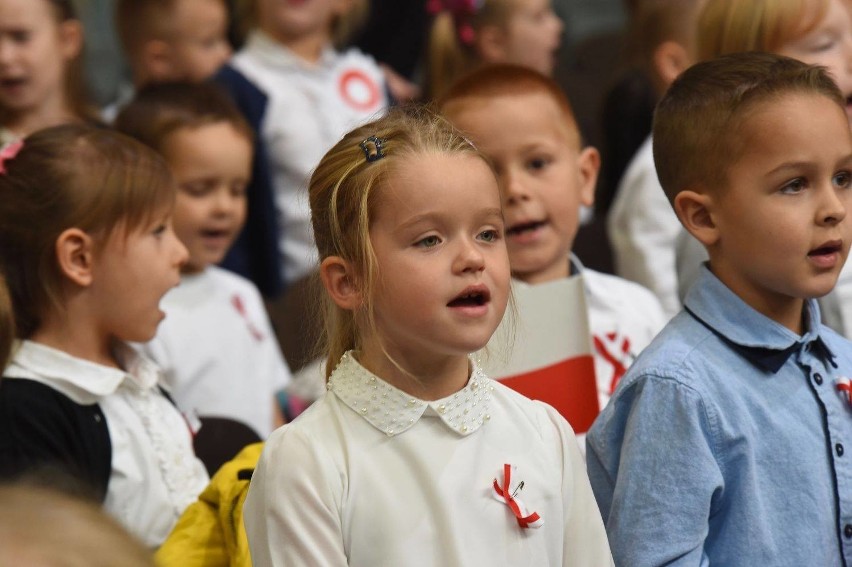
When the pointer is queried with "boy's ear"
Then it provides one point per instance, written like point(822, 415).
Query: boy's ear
point(75, 255)
point(339, 281)
point(694, 210)
point(491, 44)
point(71, 38)
point(670, 59)
point(588, 166)
point(157, 60)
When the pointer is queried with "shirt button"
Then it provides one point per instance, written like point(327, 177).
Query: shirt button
point(847, 531)
point(839, 449)
point(818, 379)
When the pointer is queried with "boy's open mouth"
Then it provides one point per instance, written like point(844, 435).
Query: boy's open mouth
point(471, 298)
point(525, 227)
point(826, 249)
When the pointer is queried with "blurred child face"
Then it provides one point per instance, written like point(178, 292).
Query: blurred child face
point(212, 167)
point(200, 45)
point(829, 44)
point(130, 275)
point(544, 177)
point(437, 232)
point(291, 20)
point(781, 219)
point(532, 35)
point(34, 50)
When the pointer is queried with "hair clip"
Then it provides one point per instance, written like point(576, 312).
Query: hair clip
point(9, 152)
point(373, 148)
point(461, 11)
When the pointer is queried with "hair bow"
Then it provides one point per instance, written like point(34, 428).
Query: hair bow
point(9, 152)
point(461, 11)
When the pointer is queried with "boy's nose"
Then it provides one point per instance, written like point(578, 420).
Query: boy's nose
point(514, 191)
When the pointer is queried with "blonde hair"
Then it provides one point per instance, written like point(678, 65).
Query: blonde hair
point(46, 527)
point(450, 53)
point(343, 28)
point(70, 176)
point(696, 136)
point(731, 26)
point(344, 191)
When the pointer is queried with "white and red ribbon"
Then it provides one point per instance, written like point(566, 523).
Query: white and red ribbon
point(507, 492)
point(844, 386)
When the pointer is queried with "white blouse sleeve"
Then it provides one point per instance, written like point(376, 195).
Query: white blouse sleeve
point(292, 512)
point(585, 542)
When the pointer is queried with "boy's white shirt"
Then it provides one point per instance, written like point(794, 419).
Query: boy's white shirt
point(310, 108)
point(643, 228)
point(218, 352)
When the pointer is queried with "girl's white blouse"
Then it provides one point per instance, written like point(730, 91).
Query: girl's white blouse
point(370, 476)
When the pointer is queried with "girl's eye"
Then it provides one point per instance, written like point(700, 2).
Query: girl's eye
point(195, 189)
point(842, 179)
point(428, 242)
point(490, 235)
point(160, 230)
point(795, 186)
point(537, 164)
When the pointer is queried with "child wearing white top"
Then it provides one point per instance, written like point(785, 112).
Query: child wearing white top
point(316, 94)
point(219, 354)
point(87, 251)
point(414, 456)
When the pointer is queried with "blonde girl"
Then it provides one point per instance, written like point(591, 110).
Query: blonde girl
point(87, 251)
point(41, 77)
point(414, 456)
point(468, 33)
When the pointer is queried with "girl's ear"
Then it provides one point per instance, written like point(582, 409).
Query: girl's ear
point(491, 44)
point(695, 210)
point(71, 38)
point(588, 166)
point(75, 255)
point(339, 280)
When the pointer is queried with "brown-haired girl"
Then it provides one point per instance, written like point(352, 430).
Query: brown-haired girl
point(468, 33)
point(41, 76)
point(414, 456)
point(87, 251)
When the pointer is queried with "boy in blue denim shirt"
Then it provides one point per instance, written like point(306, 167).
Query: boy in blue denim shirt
point(729, 440)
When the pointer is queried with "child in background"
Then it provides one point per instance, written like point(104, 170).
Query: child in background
point(468, 33)
point(173, 40)
point(736, 414)
point(43, 527)
point(315, 95)
point(523, 122)
point(216, 347)
point(817, 32)
point(641, 225)
point(41, 80)
point(414, 456)
point(87, 251)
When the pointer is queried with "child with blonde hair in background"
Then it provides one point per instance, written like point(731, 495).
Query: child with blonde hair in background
point(468, 33)
point(315, 94)
point(414, 456)
point(817, 32)
point(216, 347)
point(41, 78)
point(524, 123)
point(87, 251)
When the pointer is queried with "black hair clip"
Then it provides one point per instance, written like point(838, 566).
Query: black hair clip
point(373, 148)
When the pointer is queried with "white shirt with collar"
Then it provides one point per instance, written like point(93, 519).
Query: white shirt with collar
point(369, 476)
point(311, 106)
point(155, 474)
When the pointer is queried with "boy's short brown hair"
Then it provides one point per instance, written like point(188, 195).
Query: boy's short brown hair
point(140, 21)
point(505, 80)
point(158, 110)
point(696, 133)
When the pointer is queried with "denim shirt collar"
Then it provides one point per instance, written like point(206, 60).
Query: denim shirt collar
point(762, 341)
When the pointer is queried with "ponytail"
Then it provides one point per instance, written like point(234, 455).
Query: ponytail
point(7, 325)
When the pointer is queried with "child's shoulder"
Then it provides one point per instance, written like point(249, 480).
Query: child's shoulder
point(232, 281)
point(614, 289)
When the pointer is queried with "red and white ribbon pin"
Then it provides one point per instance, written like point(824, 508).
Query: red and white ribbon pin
point(844, 386)
point(507, 492)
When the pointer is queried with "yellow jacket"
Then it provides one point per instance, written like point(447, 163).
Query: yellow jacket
point(210, 532)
